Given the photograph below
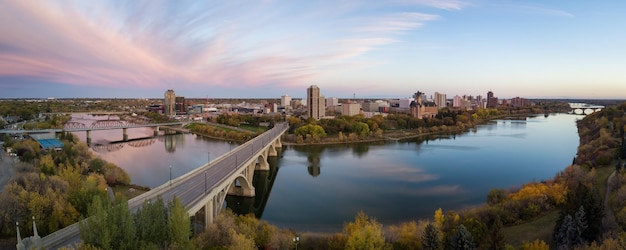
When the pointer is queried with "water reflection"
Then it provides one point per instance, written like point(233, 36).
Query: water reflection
point(392, 181)
point(172, 141)
point(262, 182)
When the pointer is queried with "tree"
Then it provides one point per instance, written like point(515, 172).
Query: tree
point(405, 235)
point(361, 129)
point(477, 229)
point(364, 233)
point(179, 226)
point(496, 196)
point(430, 238)
point(462, 239)
point(535, 245)
point(151, 222)
point(439, 218)
point(496, 238)
point(589, 200)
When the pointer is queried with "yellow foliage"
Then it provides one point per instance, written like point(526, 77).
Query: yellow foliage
point(542, 192)
point(439, 218)
point(535, 245)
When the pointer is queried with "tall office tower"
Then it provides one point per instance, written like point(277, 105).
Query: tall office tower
point(169, 103)
point(440, 100)
point(285, 100)
point(180, 107)
point(492, 101)
point(315, 102)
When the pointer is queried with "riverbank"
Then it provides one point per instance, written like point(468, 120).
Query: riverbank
point(405, 134)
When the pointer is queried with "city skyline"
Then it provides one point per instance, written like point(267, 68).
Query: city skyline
point(267, 49)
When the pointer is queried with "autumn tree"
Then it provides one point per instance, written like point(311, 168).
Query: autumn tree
point(364, 233)
point(406, 235)
point(535, 245)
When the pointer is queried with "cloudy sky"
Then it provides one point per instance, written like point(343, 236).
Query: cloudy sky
point(269, 48)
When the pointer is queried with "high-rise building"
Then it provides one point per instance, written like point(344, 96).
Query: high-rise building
point(180, 108)
point(169, 103)
point(492, 101)
point(440, 100)
point(285, 100)
point(315, 102)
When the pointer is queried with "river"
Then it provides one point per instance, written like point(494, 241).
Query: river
point(318, 188)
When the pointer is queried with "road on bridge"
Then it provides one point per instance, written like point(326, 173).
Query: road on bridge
point(187, 187)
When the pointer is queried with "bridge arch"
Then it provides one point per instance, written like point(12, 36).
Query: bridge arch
point(242, 186)
point(261, 163)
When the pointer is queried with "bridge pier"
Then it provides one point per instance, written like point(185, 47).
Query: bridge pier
point(88, 137)
point(156, 130)
point(209, 213)
point(261, 164)
point(125, 134)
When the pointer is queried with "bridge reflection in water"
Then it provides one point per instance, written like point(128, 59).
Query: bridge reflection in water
point(263, 182)
point(170, 142)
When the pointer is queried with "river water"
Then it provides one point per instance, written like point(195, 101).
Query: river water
point(318, 188)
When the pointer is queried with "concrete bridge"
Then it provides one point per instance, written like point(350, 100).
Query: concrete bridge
point(203, 190)
point(101, 125)
point(584, 108)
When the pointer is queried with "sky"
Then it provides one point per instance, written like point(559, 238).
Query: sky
point(266, 49)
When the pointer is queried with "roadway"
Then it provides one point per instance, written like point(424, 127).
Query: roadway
point(188, 188)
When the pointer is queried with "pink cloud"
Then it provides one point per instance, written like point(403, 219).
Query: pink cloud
point(92, 44)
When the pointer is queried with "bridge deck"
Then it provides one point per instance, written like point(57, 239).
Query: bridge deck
point(189, 187)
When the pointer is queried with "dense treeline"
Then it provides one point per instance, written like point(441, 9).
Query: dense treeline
point(219, 132)
point(54, 186)
point(358, 127)
point(601, 136)
point(244, 232)
point(154, 226)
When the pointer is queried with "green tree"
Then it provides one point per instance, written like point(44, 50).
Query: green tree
point(462, 240)
point(179, 226)
point(151, 222)
point(477, 229)
point(361, 129)
point(496, 238)
point(589, 199)
point(430, 238)
point(315, 131)
point(496, 196)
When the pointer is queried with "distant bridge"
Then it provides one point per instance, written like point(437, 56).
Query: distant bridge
point(101, 125)
point(584, 108)
point(203, 190)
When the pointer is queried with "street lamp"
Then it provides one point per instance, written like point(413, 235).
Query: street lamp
point(205, 181)
point(296, 240)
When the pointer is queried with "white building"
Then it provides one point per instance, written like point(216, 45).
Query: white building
point(285, 101)
point(332, 101)
point(350, 109)
point(440, 100)
point(405, 103)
